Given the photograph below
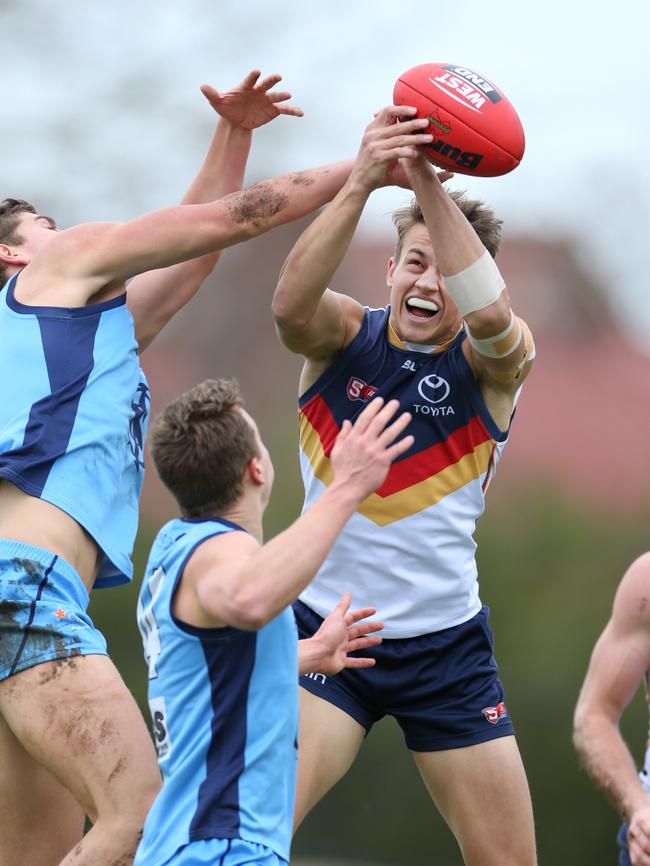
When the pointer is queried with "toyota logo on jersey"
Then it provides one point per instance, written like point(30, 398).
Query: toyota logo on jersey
point(433, 389)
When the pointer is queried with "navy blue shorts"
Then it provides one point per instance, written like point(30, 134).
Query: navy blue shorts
point(624, 853)
point(442, 688)
point(43, 605)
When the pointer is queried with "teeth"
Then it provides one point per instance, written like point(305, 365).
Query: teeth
point(422, 304)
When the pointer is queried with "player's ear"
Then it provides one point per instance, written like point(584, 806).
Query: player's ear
point(392, 263)
point(255, 471)
point(10, 256)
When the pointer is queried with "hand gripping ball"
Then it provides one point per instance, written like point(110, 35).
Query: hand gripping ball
point(475, 129)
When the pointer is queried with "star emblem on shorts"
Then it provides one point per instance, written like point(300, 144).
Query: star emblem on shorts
point(59, 613)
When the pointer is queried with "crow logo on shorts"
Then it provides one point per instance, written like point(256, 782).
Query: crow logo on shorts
point(493, 714)
point(140, 410)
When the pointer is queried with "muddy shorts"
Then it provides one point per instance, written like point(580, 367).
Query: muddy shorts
point(43, 605)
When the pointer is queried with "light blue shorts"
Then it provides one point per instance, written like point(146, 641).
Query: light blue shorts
point(224, 852)
point(43, 605)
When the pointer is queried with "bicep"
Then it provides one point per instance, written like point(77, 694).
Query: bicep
point(617, 666)
point(621, 656)
point(157, 240)
point(216, 572)
point(333, 325)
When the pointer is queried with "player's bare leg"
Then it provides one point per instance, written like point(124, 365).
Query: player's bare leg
point(33, 798)
point(482, 793)
point(77, 719)
point(329, 741)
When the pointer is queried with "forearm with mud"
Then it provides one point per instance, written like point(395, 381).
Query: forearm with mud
point(316, 257)
point(608, 761)
point(284, 199)
point(274, 576)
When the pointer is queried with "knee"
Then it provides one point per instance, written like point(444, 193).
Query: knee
point(128, 803)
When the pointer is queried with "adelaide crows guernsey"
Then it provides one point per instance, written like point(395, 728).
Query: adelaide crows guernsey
point(224, 704)
point(409, 548)
point(73, 417)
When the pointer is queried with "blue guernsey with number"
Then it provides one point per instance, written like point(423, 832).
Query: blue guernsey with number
point(224, 704)
point(73, 417)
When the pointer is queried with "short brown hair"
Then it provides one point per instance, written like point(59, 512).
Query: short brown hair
point(10, 210)
point(481, 217)
point(201, 444)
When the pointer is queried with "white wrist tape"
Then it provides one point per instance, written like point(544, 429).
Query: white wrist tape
point(501, 344)
point(477, 286)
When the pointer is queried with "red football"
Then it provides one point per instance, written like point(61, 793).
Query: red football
point(475, 129)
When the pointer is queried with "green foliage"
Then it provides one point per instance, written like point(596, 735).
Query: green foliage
point(549, 568)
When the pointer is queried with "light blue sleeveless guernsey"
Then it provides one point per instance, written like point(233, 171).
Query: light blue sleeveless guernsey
point(73, 417)
point(224, 704)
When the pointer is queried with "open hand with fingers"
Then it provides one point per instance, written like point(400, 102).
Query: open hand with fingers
point(385, 141)
point(341, 633)
point(251, 103)
point(363, 451)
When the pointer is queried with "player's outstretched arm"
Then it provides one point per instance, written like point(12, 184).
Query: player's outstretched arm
point(95, 259)
point(342, 632)
point(618, 664)
point(312, 320)
point(239, 583)
point(154, 297)
point(501, 347)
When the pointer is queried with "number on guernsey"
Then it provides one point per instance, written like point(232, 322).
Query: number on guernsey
point(147, 622)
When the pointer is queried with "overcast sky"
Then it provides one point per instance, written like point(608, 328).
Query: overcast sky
point(103, 117)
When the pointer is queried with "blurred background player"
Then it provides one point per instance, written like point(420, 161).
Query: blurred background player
point(449, 348)
point(619, 664)
point(219, 633)
point(72, 423)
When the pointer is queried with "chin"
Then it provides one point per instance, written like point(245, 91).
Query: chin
point(419, 333)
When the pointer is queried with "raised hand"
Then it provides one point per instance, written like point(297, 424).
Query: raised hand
point(363, 452)
point(342, 633)
point(385, 141)
point(252, 103)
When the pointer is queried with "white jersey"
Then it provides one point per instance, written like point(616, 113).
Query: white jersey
point(409, 549)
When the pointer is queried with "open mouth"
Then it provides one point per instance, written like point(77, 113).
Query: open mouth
point(418, 308)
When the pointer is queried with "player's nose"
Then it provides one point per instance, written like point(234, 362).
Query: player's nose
point(429, 281)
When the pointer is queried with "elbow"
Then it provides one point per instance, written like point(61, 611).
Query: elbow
point(284, 308)
point(491, 320)
point(583, 719)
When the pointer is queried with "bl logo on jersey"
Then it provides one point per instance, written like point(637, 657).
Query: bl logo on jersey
point(360, 390)
point(493, 714)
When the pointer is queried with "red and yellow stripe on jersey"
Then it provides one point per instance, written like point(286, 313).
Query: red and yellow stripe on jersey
point(418, 481)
